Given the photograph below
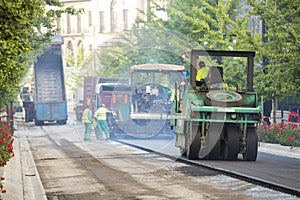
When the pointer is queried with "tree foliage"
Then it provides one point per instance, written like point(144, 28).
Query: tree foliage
point(25, 26)
point(16, 19)
point(216, 25)
point(140, 46)
point(204, 25)
point(282, 48)
point(81, 65)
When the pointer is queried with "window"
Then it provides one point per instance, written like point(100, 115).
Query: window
point(80, 48)
point(141, 7)
point(68, 24)
point(90, 18)
point(101, 21)
point(125, 19)
point(113, 16)
point(58, 25)
point(69, 51)
point(78, 24)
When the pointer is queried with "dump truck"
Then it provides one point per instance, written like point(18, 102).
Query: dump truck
point(211, 121)
point(114, 92)
point(50, 103)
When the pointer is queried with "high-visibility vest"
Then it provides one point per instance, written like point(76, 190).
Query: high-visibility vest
point(201, 73)
point(86, 116)
point(101, 113)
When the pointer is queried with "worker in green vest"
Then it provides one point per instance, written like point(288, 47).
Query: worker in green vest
point(87, 121)
point(100, 115)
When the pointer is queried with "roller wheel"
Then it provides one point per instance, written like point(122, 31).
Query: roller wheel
point(233, 142)
point(251, 145)
point(183, 152)
point(223, 98)
point(194, 147)
point(215, 152)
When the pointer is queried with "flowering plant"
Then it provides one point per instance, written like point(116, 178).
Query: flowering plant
point(6, 148)
point(6, 141)
point(283, 133)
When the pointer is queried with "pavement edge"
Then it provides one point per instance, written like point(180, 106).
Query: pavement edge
point(22, 178)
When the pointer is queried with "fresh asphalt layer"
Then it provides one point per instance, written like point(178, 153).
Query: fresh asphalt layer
point(22, 181)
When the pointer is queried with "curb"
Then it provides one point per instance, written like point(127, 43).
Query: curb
point(22, 178)
point(277, 149)
point(13, 175)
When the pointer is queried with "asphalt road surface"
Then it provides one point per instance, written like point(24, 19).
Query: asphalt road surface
point(72, 169)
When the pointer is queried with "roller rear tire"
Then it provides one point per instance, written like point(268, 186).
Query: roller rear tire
point(233, 142)
point(194, 147)
point(251, 145)
point(223, 98)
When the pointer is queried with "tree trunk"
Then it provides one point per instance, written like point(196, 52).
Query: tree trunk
point(274, 106)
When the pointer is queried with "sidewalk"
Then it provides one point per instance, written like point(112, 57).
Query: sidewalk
point(22, 180)
point(277, 149)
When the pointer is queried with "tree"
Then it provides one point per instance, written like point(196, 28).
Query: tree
point(192, 24)
point(214, 25)
point(21, 26)
point(204, 25)
point(16, 19)
point(140, 46)
point(282, 48)
point(81, 66)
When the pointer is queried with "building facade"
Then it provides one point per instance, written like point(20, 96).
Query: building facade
point(101, 20)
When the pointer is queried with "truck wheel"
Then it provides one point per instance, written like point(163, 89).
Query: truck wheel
point(223, 98)
point(251, 145)
point(183, 151)
point(38, 123)
point(26, 116)
point(194, 146)
point(62, 122)
point(233, 142)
